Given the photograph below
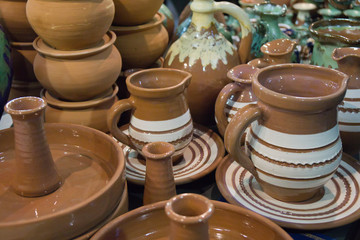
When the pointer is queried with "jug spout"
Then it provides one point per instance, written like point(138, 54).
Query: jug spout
point(348, 60)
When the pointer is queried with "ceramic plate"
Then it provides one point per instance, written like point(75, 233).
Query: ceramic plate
point(202, 156)
point(336, 205)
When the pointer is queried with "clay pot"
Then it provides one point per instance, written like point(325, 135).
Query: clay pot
point(70, 25)
point(159, 177)
point(191, 216)
point(22, 89)
point(23, 55)
point(14, 21)
point(35, 173)
point(293, 143)
point(348, 60)
point(234, 95)
point(159, 110)
point(131, 13)
point(88, 113)
point(78, 75)
point(141, 45)
point(277, 51)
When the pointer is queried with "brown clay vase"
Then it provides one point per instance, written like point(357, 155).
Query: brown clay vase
point(234, 95)
point(131, 13)
point(159, 177)
point(189, 216)
point(35, 173)
point(278, 51)
point(71, 24)
point(293, 145)
point(23, 55)
point(348, 60)
point(14, 21)
point(208, 56)
point(78, 75)
point(159, 110)
point(142, 45)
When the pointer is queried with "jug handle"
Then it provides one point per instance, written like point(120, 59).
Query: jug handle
point(113, 117)
point(246, 34)
point(235, 130)
point(220, 104)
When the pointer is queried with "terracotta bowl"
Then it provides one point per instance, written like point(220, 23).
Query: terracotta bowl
point(70, 25)
point(89, 113)
point(14, 21)
point(227, 222)
point(130, 12)
point(91, 165)
point(141, 45)
point(23, 55)
point(78, 75)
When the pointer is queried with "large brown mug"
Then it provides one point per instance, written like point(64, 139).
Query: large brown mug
point(292, 146)
point(159, 110)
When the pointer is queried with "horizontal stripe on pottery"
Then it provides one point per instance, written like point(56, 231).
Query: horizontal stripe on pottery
point(283, 156)
point(352, 93)
point(294, 184)
point(348, 116)
point(167, 136)
point(349, 105)
point(230, 104)
point(346, 127)
point(295, 141)
point(303, 171)
point(160, 126)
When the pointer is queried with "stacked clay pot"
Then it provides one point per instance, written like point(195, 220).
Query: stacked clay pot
point(141, 37)
point(20, 34)
point(76, 61)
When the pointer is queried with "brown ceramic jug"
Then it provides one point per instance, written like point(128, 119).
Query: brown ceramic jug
point(348, 60)
point(208, 56)
point(292, 146)
point(159, 110)
point(35, 173)
point(234, 95)
point(159, 176)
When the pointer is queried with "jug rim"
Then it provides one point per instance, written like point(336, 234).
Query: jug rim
point(158, 92)
point(344, 52)
point(300, 103)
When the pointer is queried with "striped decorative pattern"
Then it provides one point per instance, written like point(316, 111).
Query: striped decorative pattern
point(232, 107)
point(349, 111)
point(337, 204)
point(294, 161)
point(177, 131)
point(200, 157)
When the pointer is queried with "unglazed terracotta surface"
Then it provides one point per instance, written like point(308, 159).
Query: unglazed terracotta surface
point(91, 113)
point(293, 141)
point(91, 166)
point(200, 158)
point(234, 95)
point(70, 25)
point(159, 110)
point(227, 222)
point(131, 13)
point(78, 75)
point(348, 60)
point(23, 55)
point(159, 176)
point(208, 56)
point(14, 21)
point(22, 89)
point(337, 204)
point(141, 45)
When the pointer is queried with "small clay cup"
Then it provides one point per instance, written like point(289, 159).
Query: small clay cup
point(142, 45)
point(78, 75)
point(131, 13)
point(293, 145)
point(88, 113)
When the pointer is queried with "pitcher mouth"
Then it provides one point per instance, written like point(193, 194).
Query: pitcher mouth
point(300, 87)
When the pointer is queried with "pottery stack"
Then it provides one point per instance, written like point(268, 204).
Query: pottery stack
point(76, 61)
point(20, 34)
point(140, 35)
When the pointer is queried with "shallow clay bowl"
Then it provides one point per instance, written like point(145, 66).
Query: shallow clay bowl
point(227, 222)
point(91, 165)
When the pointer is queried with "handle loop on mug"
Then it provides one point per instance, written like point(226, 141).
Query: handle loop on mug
point(235, 130)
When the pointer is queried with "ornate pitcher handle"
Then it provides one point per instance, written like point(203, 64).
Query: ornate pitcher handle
point(235, 130)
